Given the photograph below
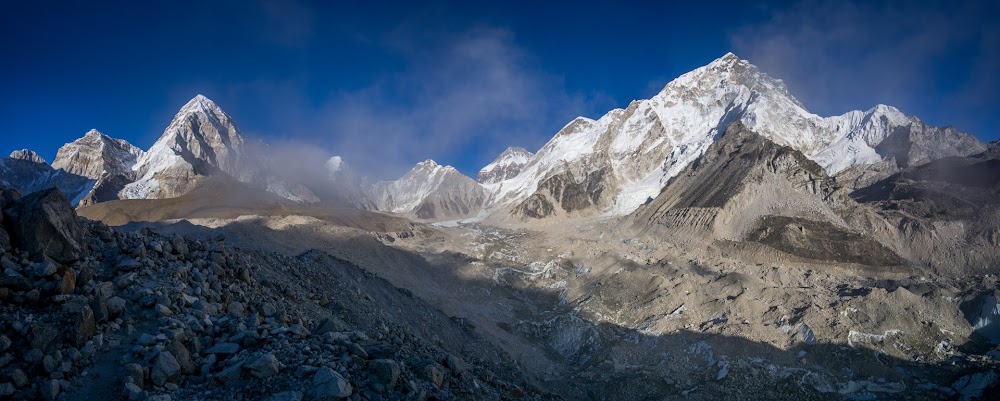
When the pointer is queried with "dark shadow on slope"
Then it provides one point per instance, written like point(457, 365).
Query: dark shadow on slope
point(580, 359)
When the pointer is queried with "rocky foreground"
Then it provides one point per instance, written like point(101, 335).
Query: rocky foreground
point(90, 312)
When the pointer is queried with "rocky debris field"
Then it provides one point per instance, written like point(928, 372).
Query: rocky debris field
point(90, 312)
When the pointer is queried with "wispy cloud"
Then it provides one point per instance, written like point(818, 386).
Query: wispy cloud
point(470, 96)
point(839, 55)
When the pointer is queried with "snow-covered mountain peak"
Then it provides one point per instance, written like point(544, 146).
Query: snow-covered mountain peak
point(430, 191)
point(200, 104)
point(334, 164)
point(508, 165)
point(27, 155)
point(200, 138)
point(429, 163)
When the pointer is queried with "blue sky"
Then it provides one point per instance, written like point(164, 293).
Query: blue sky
point(386, 85)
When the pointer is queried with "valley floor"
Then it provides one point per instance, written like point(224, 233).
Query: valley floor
point(589, 312)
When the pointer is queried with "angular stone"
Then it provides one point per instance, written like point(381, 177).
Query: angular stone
point(133, 392)
point(264, 366)
point(5, 342)
point(45, 269)
point(228, 376)
point(43, 337)
point(99, 305)
point(116, 306)
point(385, 372)
point(182, 355)
point(136, 373)
point(67, 285)
point(165, 368)
point(163, 310)
point(20, 378)
point(224, 349)
point(327, 384)
point(128, 265)
point(435, 373)
point(84, 326)
point(456, 364)
point(49, 389)
point(286, 396)
point(331, 324)
point(45, 224)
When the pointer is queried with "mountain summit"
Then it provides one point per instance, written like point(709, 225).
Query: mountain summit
point(200, 141)
point(614, 164)
point(96, 154)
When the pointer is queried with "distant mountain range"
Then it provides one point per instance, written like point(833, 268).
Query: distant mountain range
point(605, 167)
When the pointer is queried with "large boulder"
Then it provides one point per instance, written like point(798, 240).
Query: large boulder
point(45, 224)
point(7, 196)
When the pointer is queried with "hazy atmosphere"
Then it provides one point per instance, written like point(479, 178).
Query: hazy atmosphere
point(387, 85)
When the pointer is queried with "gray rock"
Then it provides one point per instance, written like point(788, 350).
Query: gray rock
point(327, 325)
point(159, 397)
point(298, 330)
point(4, 343)
point(84, 325)
point(20, 378)
point(122, 282)
point(329, 385)
point(264, 366)
point(133, 392)
point(227, 377)
point(99, 305)
point(116, 307)
point(163, 310)
point(268, 310)
point(146, 339)
point(43, 337)
point(456, 364)
point(435, 373)
point(224, 349)
point(50, 364)
point(45, 224)
point(31, 357)
point(165, 368)
point(182, 355)
point(49, 389)
point(357, 351)
point(4, 238)
point(7, 389)
point(236, 309)
point(45, 269)
point(136, 373)
point(67, 284)
point(285, 396)
point(128, 265)
point(385, 372)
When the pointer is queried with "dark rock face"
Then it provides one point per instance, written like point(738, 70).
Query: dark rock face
point(45, 224)
point(566, 192)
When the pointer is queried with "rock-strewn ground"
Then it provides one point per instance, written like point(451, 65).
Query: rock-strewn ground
point(142, 316)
